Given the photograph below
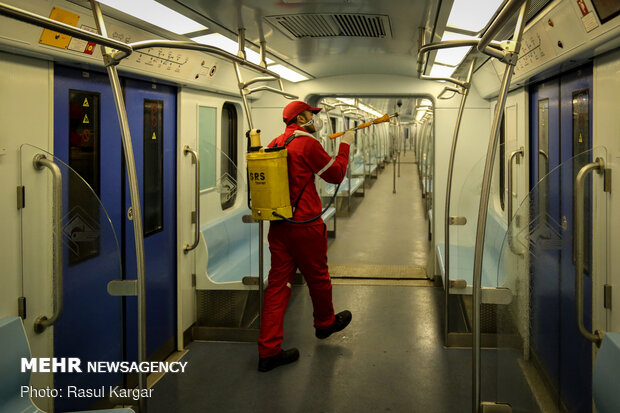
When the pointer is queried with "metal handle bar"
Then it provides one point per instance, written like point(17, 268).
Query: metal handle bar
point(32, 18)
point(493, 50)
point(195, 160)
point(599, 166)
point(498, 23)
point(271, 89)
point(513, 155)
point(40, 162)
point(454, 91)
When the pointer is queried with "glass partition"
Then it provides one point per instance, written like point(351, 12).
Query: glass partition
point(71, 258)
point(542, 362)
point(465, 202)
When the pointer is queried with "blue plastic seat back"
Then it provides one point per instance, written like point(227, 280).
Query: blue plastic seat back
point(14, 347)
point(605, 377)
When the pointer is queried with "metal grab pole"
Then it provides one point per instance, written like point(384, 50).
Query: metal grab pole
point(482, 212)
point(400, 137)
point(455, 138)
point(261, 228)
point(40, 162)
point(135, 201)
point(599, 166)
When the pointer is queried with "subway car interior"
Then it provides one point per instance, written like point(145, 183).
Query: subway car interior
point(471, 237)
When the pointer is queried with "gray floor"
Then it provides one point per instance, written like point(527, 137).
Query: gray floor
point(385, 228)
point(390, 359)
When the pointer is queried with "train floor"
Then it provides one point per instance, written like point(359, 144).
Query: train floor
point(390, 358)
point(385, 228)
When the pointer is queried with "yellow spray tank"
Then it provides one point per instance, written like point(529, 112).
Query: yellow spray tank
point(268, 180)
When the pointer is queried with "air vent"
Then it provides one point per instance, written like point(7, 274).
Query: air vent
point(297, 26)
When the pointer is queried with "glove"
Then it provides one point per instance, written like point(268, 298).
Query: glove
point(348, 137)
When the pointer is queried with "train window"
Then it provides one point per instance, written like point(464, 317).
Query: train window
point(228, 168)
point(84, 158)
point(153, 164)
point(543, 155)
point(207, 135)
point(333, 121)
point(502, 163)
point(581, 143)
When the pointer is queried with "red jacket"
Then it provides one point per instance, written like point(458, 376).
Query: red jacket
point(306, 157)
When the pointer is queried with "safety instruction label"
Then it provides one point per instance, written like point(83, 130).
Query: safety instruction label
point(82, 46)
point(52, 38)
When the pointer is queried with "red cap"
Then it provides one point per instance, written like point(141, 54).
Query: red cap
point(294, 108)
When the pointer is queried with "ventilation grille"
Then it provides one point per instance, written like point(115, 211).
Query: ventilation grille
point(297, 26)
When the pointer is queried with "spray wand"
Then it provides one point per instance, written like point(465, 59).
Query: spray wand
point(382, 119)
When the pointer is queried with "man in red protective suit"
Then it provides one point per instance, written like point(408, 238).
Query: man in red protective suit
point(302, 245)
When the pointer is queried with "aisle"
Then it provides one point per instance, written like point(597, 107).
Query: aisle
point(385, 228)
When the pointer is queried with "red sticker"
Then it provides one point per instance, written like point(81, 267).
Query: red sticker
point(90, 48)
point(583, 7)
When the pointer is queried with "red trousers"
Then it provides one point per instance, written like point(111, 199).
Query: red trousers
point(294, 246)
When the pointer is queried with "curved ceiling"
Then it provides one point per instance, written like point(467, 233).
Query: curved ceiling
point(323, 56)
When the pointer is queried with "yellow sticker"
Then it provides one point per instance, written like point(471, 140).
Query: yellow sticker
point(85, 119)
point(85, 104)
point(153, 137)
point(580, 138)
point(56, 39)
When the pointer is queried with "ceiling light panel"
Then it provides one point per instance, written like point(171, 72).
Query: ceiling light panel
point(455, 55)
point(288, 74)
point(229, 45)
point(442, 71)
point(157, 14)
point(472, 16)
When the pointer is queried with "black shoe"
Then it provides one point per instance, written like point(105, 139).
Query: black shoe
point(342, 320)
point(285, 357)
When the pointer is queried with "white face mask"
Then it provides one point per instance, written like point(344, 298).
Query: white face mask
point(316, 121)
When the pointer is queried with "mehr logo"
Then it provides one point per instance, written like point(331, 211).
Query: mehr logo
point(73, 365)
point(52, 365)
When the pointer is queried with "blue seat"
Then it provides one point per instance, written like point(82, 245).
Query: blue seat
point(14, 348)
point(232, 247)
point(605, 382)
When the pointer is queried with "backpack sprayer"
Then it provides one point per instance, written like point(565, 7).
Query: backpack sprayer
point(269, 196)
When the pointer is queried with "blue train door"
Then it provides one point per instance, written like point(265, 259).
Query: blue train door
point(87, 138)
point(561, 130)
point(576, 126)
point(544, 157)
point(151, 110)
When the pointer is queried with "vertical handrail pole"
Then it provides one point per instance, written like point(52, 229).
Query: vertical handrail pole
point(196, 161)
point(515, 154)
point(135, 198)
point(482, 210)
point(261, 228)
point(598, 165)
point(42, 322)
point(400, 137)
point(455, 138)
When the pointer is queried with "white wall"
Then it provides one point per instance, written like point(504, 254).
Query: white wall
point(606, 132)
point(26, 117)
point(210, 206)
